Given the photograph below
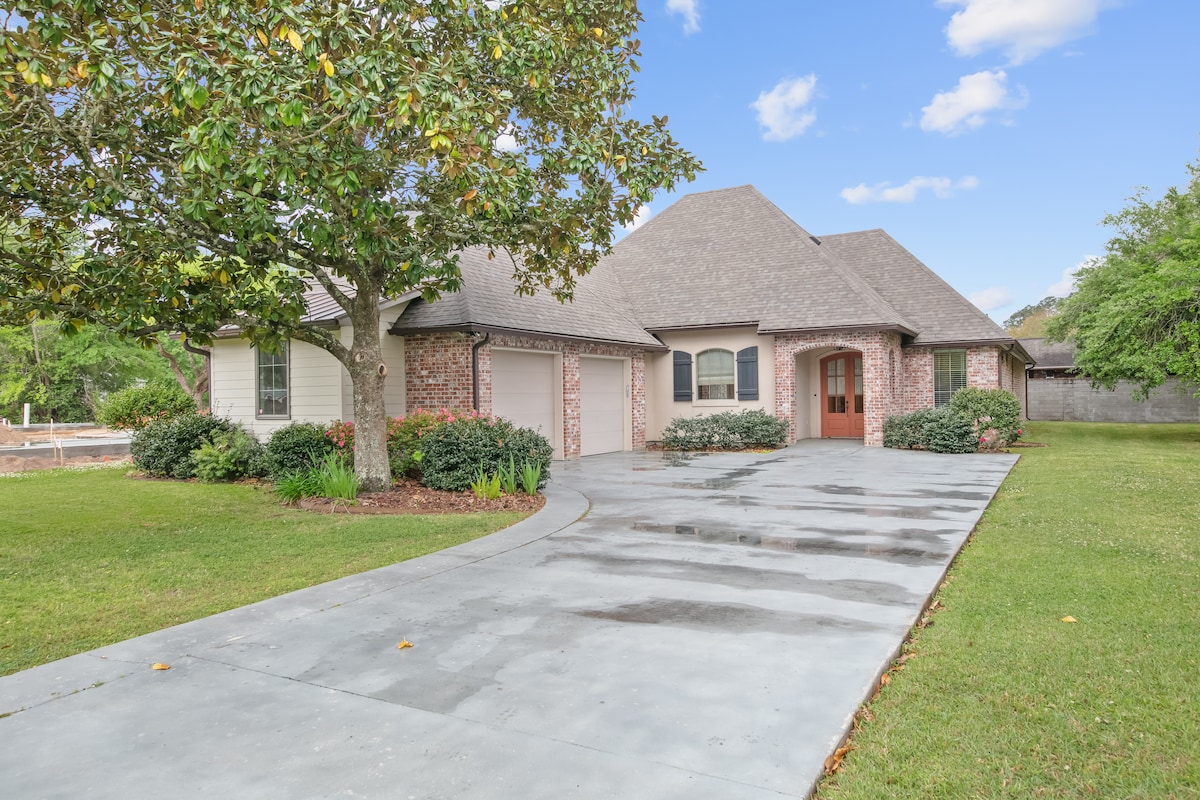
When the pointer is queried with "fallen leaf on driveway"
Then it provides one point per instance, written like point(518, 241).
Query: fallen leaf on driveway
point(403, 644)
point(1069, 619)
point(160, 665)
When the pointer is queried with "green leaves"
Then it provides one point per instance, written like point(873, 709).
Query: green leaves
point(1135, 314)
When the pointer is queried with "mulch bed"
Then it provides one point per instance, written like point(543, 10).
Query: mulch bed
point(408, 496)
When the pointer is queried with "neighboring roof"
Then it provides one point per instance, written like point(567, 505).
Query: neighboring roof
point(731, 257)
point(937, 311)
point(487, 302)
point(1050, 355)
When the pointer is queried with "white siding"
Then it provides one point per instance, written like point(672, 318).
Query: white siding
point(315, 379)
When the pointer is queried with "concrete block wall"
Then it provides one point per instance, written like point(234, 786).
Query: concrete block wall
point(1074, 400)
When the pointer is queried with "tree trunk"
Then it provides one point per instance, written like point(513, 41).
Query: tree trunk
point(367, 375)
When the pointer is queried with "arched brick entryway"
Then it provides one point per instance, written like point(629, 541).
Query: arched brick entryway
point(882, 377)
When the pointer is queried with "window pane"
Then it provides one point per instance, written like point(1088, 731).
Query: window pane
point(273, 383)
point(949, 374)
point(714, 375)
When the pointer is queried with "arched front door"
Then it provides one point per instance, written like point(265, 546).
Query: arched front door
point(842, 395)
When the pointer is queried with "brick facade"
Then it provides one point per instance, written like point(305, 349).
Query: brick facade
point(881, 354)
point(438, 375)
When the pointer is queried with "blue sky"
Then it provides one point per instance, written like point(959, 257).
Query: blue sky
point(1004, 129)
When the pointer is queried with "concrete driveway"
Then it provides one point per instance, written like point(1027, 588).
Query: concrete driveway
point(706, 629)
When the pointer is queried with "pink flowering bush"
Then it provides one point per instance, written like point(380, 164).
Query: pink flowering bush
point(404, 434)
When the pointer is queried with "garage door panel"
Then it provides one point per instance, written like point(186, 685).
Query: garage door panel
point(523, 389)
point(601, 405)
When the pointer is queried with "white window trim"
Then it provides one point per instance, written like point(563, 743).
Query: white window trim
point(287, 365)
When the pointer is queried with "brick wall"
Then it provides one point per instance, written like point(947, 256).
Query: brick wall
point(438, 374)
point(984, 371)
point(882, 378)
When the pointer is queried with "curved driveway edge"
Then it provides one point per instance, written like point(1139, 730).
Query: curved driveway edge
point(708, 629)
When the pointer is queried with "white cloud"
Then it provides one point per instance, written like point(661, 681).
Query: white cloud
point(690, 11)
point(1066, 285)
point(966, 106)
point(507, 140)
point(990, 299)
point(784, 111)
point(906, 193)
point(639, 219)
point(1021, 28)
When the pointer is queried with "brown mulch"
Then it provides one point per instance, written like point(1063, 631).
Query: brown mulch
point(408, 496)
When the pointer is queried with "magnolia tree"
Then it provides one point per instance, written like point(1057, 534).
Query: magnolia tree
point(225, 157)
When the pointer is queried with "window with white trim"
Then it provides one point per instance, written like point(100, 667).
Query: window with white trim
point(949, 375)
point(272, 381)
point(714, 375)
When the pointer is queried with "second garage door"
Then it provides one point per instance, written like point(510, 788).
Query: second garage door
point(524, 390)
point(601, 405)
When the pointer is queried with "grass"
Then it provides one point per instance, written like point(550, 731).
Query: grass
point(88, 558)
point(1002, 699)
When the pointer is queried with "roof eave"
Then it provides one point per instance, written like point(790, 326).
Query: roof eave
point(468, 327)
point(835, 328)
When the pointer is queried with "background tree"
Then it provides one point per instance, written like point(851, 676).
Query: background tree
point(1135, 314)
point(292, 144)
point(63, 377)
point(1030, 322)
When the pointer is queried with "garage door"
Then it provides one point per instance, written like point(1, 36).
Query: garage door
point(524, 389)
point(601, 405)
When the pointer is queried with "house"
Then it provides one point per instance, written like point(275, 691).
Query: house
point(721, 302)
point(1055, 391)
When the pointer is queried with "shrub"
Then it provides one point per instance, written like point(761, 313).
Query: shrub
point(725, 431)
point(295, 486)
point(164, 447)
point(137, 406)
point(230, 455)
point(455, 451)
point(297, 447)
point(940, 430)
point(990, 410)
point(404, 438)
point(335, 478)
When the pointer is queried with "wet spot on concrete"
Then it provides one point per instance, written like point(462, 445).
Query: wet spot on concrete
point(800, 544)
point(931, 494)
point(900, 512)
point(742, 577)
point(726, 618)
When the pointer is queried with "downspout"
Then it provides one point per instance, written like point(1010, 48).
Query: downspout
point(475, 370)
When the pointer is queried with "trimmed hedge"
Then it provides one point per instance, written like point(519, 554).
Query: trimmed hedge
point(297, 447)
point(940, 430)
point(452, 453)
point(996, 410)
point(137, 406)
point(164, 448)
point(728, 430)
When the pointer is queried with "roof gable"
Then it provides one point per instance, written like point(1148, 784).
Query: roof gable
point(732, 257)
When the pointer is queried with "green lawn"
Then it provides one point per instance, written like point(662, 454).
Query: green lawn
point(88, 558)
point(1002, 698)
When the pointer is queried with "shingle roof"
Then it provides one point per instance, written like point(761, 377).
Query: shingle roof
point(937, 311)
point(731, 257)
point(1050, 355)
point(487, 302)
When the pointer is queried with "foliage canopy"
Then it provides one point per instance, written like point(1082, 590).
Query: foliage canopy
point(1135, 315)
point(227, 157)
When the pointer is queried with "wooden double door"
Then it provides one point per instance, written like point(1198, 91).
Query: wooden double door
point(842, 396)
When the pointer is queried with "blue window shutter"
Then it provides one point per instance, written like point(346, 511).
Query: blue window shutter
point(683, 375)
point(747, 374)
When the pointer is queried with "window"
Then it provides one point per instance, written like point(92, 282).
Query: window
point(714, 375)
point(949, 374)
point(273, 383)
